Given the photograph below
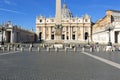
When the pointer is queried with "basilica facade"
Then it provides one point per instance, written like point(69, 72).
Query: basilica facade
point(74, 29)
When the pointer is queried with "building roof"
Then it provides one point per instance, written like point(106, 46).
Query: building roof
point(113, 10)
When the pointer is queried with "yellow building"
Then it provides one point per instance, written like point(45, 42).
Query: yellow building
point(107, 29)
point(73, 29)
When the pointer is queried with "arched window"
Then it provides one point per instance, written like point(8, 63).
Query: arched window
point(86, 20)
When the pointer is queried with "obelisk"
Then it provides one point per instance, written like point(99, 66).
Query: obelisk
point(58, 26)
point(58, 12)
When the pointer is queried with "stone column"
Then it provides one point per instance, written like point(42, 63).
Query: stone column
point(65, 33)
point(82, 32)
point(50, 33)
point(44, 33)
point(12, 37)
point(76, 34)
point(89, 33)
point(71, 32)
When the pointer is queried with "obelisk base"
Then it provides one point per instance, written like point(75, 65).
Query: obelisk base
point(58, 39)
point(58, 42)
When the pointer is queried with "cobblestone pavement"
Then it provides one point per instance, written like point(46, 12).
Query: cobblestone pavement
point(112, 56)
point(55, 66)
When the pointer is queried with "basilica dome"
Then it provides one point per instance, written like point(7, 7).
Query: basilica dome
point(66, 13)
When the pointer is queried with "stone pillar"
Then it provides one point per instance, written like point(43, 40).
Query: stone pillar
point(12, 37)
point(76, 34)
point(65, 33)
point(44, 33)
point(82, 31)
point(71, 33)
point(50, 33)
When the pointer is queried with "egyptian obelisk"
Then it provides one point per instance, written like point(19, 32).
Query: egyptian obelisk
point(58, 12)
point(58, 26)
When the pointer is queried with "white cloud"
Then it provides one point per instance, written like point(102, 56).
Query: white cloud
point(9, 2)
point(13, 11)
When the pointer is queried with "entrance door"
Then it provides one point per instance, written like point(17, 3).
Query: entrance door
point(86, 35)
point(8, 36)
point(116, 37)
point(40, 36)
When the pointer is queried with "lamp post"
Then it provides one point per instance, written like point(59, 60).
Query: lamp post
point(109, 28)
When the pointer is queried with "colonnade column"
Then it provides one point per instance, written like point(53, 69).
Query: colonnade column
point(82, 31)
point(50, 33)
point(65, 33)
point(71, 32)
point(69, 29)
point(44, 33)
point(76, 34)
point(12, 37)
point(118, 36)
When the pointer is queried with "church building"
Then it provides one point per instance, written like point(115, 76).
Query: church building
point(73, 29)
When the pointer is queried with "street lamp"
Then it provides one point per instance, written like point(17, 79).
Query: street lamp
point(109, 28)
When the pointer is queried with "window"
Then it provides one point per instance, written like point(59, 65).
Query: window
point(63, 29)
point(52, 37)
point(52, 28)
point(40, 20)
point(63, 36)
point(86, 20)
point(73, 36)
point(66, 28)
point(73, 20)
point(67, 37)
point(52, 20)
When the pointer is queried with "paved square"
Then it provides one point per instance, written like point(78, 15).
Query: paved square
point(54, 66)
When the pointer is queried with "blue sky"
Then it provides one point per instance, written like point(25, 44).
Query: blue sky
point(24, 12)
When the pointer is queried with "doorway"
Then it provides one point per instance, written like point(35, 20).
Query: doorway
point(40, 36)
point(8, 36)
point(86, 35)
point(116, 36)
